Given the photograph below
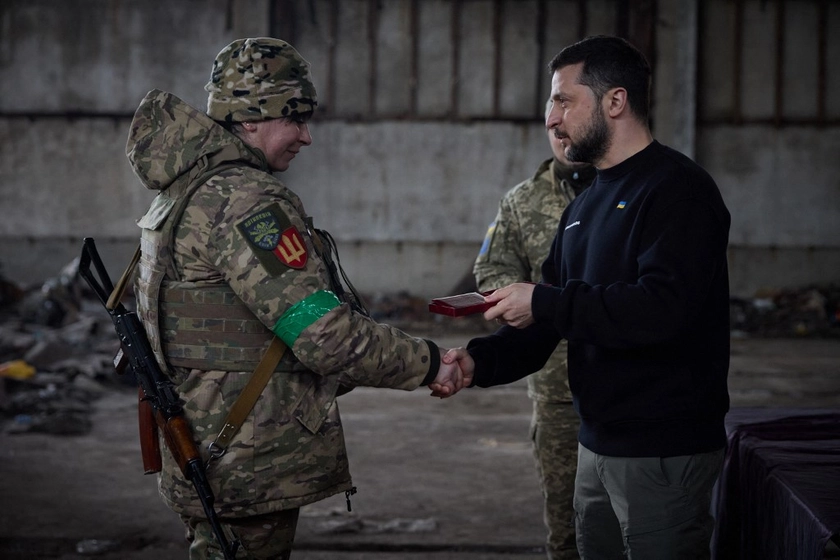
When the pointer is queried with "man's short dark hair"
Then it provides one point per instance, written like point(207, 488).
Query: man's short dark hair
point(610, 62)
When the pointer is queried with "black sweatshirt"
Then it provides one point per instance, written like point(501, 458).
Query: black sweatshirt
point(637, 282)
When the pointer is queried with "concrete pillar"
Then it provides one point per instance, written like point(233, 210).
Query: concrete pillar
point(676, 87)
point(685, 106)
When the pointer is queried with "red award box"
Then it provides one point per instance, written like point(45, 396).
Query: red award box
point(460, 305)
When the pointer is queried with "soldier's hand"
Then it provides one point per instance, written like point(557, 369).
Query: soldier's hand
point(448, 381)
point(452, 375)
point(513, 305)
point(458, 364)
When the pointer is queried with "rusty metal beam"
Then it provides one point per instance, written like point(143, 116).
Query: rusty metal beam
point(498, 11)
point(332, 53)
point(541, 22)
point(283, 17)
point(700, 73)
point(456, 55)
point(414, 70)
point(822, 59)
point(641, 32)
point(583, 19)
point(622, 19)
point(738, 56)
point(373, 51)
point(779, 76)
point(229, 15)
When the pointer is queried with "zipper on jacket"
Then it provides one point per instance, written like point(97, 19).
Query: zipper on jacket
point(347, 495)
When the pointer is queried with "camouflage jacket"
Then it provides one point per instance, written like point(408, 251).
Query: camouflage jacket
point(517, 243)
point(291, 450)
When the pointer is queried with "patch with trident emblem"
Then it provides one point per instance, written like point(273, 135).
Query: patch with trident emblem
point(274, 240)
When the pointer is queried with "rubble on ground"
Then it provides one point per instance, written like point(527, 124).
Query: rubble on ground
point(809, 311)
point(56, 349)
point(57, 343)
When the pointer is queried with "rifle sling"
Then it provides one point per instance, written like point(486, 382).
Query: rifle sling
point(122, 283)
point(248, 397)
point(250, 393)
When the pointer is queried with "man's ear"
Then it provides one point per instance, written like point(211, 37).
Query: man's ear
point(616, 100)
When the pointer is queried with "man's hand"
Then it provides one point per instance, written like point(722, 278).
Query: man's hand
point(456, 363)
point(513, 305)
point(449, 380)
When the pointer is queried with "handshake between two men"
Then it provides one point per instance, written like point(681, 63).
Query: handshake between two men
point(511, 306)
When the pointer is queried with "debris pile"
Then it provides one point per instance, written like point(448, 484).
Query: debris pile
point(56, 350)
point(810, 311)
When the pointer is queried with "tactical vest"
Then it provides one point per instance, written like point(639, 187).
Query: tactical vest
point(190, 324)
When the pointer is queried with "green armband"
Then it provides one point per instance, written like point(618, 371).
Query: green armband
point(302, 314)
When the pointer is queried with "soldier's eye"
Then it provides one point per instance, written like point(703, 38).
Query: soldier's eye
point(300, 118)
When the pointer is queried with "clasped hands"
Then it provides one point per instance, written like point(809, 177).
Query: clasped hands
point(457, 368)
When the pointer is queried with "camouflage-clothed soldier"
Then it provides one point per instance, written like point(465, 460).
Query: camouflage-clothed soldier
point(517, 243)
point(229, 260)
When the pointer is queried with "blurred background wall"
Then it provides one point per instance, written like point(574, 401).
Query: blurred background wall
point(429, 111)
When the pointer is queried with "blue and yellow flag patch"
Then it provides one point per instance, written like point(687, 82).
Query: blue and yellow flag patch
point(488, 237)
point(621, 204)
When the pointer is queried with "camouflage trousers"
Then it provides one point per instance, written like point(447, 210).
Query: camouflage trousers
point(554, 431)
point(262, 537)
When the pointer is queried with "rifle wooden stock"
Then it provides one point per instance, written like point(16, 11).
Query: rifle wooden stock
point(149, 442)
point(179, 441)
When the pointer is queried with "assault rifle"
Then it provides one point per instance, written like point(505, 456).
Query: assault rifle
point(156, 389)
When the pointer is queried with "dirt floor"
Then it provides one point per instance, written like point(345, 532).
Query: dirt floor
point(437, 479)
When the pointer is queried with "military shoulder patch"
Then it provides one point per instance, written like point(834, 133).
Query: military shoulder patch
point(276, 242)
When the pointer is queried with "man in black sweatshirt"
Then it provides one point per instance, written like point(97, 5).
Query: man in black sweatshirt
point(637, 282)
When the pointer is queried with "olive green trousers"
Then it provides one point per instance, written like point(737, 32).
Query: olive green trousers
point(645, 508)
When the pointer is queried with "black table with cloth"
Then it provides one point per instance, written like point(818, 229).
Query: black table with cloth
point(778, 496)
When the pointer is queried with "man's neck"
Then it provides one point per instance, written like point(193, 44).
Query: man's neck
point(626, 142)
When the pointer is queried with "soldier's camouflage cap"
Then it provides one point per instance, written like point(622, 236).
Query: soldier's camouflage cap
point(257, 79)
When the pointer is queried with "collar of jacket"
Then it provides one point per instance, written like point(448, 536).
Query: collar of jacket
point(578, 178)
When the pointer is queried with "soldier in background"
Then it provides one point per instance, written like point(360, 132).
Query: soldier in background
point(517, 243)
point(230, 260)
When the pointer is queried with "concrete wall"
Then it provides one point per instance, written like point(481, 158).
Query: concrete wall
point(783, 190)
point(769, 140)
point(415, 219)
point(405, 174)
point(71, 75)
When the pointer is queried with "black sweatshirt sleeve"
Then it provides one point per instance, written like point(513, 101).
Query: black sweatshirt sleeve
point(510, 354)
